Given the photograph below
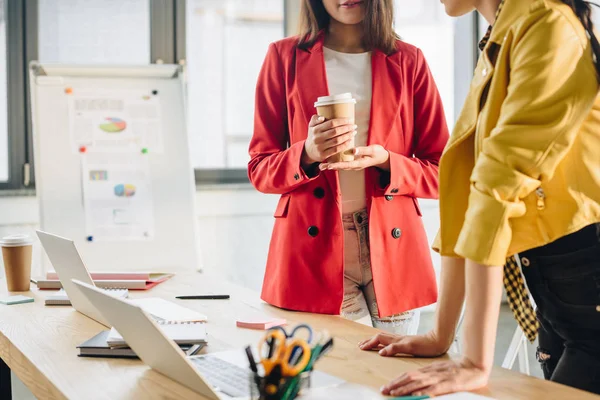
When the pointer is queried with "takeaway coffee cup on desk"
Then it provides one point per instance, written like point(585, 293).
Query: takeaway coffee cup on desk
point(338, 106)
point(16, 252)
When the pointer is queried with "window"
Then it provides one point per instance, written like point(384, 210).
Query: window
point(4, 173)
point(222, 43)
point(226, 44)
point(426, 25)
point(94, 31)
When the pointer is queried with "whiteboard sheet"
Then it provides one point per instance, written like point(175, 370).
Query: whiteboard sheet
point(172, 244)
point(115, 121)
point(117, 196)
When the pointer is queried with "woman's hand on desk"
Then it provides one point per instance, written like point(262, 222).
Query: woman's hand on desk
point(390, 345)
point(326, 138)
point(364, 157)
point(439, 378)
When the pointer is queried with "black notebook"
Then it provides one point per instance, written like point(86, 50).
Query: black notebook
point(97, 347)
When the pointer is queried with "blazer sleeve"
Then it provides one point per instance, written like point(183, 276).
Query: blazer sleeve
point(274, 167)
point(552, 89)
point(417, 176)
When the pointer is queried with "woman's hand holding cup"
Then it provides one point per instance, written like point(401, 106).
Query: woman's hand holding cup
point(327, 138)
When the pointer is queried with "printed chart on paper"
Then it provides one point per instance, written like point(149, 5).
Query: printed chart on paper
point(115, 121)
point(117, 196)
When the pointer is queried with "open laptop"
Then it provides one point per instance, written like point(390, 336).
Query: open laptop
point(68, 265)
point(223, 375)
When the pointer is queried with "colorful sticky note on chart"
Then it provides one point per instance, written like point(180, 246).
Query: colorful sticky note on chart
point(69, 90)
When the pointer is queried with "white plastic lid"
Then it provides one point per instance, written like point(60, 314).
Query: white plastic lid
point(335, 99)
point(16, 241)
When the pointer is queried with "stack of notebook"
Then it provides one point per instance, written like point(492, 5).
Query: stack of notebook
point(61, 299)
point(120, 280)
point(98, 346)
point(190, 336)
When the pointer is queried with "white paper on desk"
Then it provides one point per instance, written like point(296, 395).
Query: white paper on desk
point(115, 121)
point(348, 390)
point(343, 391)
point(463, 396)
point(167, 311)
point(117, 196)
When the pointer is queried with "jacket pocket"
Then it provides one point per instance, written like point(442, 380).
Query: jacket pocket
point(417, 207)
point(282, 206)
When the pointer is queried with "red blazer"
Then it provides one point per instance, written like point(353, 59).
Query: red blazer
point(305, 266)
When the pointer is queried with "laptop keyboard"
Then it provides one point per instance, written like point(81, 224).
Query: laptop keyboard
point(224, 376)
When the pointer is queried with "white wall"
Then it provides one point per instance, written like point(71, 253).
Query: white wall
point(235, 229)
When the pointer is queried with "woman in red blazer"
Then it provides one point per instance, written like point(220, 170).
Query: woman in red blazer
point(348, 237)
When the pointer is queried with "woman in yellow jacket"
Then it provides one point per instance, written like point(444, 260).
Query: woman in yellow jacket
point(519, 187)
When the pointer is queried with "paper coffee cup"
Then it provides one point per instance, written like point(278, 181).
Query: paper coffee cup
point(338, 106)
point(16, 252)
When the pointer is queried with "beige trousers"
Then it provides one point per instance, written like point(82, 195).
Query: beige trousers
point(359, 294)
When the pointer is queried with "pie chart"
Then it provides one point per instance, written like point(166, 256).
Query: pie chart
point(113, 125)
point(124, 190)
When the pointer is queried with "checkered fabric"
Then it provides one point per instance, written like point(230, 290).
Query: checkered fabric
point(518, 299)
point(487, 35)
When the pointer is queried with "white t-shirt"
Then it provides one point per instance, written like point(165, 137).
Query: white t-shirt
point(351, 73)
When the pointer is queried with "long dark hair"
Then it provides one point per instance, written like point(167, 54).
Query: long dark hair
point(378, 24)
point(583, 10)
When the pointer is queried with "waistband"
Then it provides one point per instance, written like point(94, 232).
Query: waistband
point(355, 219)
point(565, 256)
point(582, 239)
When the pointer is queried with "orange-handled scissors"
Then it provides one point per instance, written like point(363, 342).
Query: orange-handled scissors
point(292, 355)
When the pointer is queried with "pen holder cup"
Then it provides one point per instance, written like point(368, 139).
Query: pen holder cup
point(287, 389)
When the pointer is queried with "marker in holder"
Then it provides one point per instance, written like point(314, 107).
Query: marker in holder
point(287, 358)
point(287, 388)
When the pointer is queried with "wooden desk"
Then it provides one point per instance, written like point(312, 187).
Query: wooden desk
point(38, 344)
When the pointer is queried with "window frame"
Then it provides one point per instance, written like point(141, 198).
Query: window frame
point(466, 31)
point(167, 45)
point(21, 48)
point(227, 176)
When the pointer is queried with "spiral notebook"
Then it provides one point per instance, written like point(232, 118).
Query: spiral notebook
point(182, 333)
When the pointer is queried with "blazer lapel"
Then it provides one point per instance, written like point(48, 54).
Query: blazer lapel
point(311, 83)
point(311, 77)
point(385, 100)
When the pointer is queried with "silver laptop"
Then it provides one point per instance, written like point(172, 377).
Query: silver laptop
point(68, 265)
point(222, 375)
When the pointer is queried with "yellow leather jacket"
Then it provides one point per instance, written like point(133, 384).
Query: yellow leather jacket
point(522, 167)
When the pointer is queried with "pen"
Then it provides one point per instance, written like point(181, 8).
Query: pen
point(253, 367)
point(409, 398)
point(251, 360)
point(194, 349)
point(205, 297)
point(271, 344)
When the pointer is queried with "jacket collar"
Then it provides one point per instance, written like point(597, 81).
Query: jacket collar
point(512, 10)
point(317, 46)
